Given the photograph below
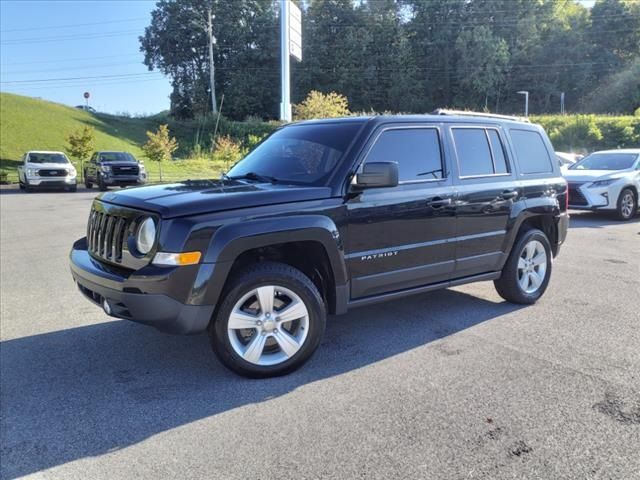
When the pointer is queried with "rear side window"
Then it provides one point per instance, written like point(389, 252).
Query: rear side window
point(416, 150)
point(480, 152)
point(531, 152)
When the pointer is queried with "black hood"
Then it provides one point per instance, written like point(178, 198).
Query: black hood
point(209, 196)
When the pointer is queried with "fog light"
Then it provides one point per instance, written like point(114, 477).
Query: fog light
point(106, 307)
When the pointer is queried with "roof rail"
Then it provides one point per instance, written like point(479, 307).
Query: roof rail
point(444, 111)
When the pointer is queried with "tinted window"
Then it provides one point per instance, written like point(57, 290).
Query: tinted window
point(299, 154)
point(474, 155)
point(499, 160)
point(417, 151)
point(531, 152)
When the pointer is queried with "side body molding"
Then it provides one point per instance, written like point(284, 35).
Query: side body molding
point(231, 240)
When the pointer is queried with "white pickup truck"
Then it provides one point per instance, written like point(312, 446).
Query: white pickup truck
point(43, 169)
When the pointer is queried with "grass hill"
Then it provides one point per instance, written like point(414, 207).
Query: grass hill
point(32, 124)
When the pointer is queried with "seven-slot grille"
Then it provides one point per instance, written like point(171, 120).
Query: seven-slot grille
point(106, 235)
point(575, 195)
point(47, 172)
point(125, 169)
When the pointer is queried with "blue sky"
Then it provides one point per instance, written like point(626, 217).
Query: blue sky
point(59, 41)
point(69, 39)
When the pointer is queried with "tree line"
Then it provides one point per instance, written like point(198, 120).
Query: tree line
point(403, 55)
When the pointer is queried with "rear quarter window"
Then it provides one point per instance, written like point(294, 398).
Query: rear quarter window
point(531, 152)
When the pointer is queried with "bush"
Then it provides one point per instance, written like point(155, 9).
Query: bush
point(320, 105)
point(227, 151)
point(590, 132)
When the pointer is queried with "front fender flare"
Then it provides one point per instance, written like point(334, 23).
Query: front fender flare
point(231, 240)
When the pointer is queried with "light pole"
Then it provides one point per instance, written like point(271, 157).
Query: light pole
point(285, 91)
point(526, 101)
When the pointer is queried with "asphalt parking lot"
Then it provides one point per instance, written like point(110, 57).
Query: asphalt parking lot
point(452, 384)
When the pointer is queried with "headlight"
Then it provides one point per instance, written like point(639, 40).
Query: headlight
point(72, 172)
point(146, 236)
point(105, 168)
point(32, 172)
point(602, 183)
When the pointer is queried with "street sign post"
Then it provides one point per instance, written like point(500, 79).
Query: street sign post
point(290, 45)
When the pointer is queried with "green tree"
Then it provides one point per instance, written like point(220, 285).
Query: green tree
point(80, 145)
point(482, 64)
point(245, 55)
point(160, 146)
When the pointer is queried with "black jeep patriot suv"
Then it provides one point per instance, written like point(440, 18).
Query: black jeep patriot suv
point(324, 216)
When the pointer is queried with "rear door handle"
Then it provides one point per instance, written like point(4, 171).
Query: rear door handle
point(509, 194)
point(438, 202)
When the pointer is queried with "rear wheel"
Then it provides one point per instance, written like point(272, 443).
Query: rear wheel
point(526, 273)
point(627, 204)
point(270, 322)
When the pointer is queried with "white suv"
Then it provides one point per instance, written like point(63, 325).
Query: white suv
point(43, 169)
point(606, 180)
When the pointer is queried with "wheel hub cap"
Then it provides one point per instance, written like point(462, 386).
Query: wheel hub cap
point(268, 325)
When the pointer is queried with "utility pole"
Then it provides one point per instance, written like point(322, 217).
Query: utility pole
point(526, 102)
point(285, 87)
point(212, 81)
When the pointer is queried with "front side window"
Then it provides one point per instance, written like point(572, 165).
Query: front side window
point(531, 152)
point(299, 154)
point(416, 151)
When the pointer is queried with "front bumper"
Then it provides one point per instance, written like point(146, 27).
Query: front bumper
point(583, 198)
point(144, 298)
point(51, 182)
point(124, 179)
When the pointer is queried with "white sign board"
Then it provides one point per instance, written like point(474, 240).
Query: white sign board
point(295, 31)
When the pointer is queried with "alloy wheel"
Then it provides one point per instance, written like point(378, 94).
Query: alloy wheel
point(532, 266)
point(626, 205)
point(268, 325)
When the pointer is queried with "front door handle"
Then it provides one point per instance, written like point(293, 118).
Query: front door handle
point(438, 202)
point(509, 194)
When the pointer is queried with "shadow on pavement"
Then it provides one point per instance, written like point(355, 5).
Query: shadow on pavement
point(597, 220)
point(90, 390)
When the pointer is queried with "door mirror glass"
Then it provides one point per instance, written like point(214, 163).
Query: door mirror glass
point(378, 174)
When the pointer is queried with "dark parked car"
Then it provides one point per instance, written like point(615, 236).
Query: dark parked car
point(322, 217)
point(120, 169)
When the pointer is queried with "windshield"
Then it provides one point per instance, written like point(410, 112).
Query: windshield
point(298, 154)
point(606, 161)
point(116, 157)
point(47, 158)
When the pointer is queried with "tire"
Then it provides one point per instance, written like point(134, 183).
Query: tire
point(101, 185)
point(20, 185)
point(74, 188)
point(281, 287)
point(627, 205)
point(87, 182)
point(512, 285)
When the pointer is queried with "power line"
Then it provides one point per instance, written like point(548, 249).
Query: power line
point(43, 80)
point(64, 38)
point(73, 25)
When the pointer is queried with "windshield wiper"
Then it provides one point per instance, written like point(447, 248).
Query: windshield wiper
point(254, 176)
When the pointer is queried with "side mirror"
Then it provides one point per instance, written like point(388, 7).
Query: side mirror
point(378, 174)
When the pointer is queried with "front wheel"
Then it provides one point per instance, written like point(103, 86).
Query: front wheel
point(271, 321)
point(101, 185)
point(87, 183)
point(526, 273)
point(627, 204)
